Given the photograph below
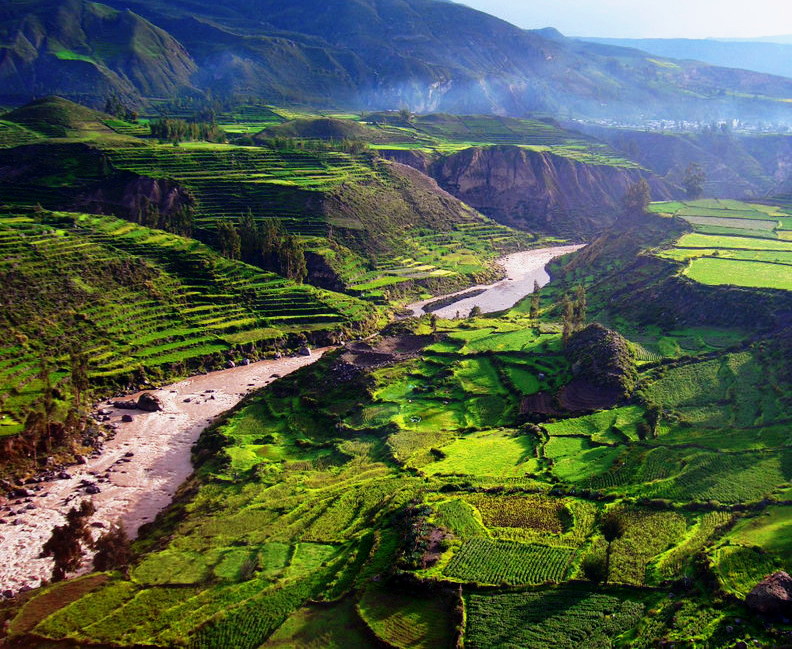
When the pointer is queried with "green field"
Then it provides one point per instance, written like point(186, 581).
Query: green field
point(739, 244)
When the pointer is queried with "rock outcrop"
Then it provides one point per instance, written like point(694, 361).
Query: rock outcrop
point(772, 595)
point(536, 190)
point(603, 358)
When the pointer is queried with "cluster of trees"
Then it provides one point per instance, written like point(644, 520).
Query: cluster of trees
point(179, 130)
point(115, 107)
point(66, 543)
point(612, 527)
point(637, 197)
point(573, 313)
point(266, 244)
point(693, 181)
point(178, 221)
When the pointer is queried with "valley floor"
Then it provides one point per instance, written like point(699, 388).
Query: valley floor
point(144, 464)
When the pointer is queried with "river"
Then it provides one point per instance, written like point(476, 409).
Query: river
point(149, 458)
point(522, 270)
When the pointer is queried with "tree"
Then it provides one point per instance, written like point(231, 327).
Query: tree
point(65, 543)
point(693, 182)
point(637, 197)
point(291, 257)
point(475, 312)
point(653, 414)
point(579, 308)
point(433, 322)
point(535, 304)
point(113, 550)
point(48, 406)
point(228, 241)
point(567, 318)
point(250, 239)
point(594, 569)
point(79, 376)
point(612, 528)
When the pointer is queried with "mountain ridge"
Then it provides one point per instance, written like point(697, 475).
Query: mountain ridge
point(426, 55)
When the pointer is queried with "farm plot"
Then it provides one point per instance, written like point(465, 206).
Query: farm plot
point(736, 243)
point(505, 562)
point(498, 453)
point(567, 618)
point(407, 621)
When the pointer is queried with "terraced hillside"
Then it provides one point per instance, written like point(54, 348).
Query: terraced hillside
point(442, 134)
point(733, 243)
point(136, 303)
point(371, 223)
point(406, 472)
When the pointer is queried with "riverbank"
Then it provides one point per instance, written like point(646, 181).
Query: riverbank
point(138, 472)
point(522, 270)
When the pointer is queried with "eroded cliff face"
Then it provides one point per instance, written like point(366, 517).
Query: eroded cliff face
point(129, 195)
point(537, 191)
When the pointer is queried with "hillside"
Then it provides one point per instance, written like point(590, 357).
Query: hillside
point(605, 464)
point(769, 58)
point(87, 50)
point(736, 165)
point(368, 225)
point(367, 54)
point(137, 305)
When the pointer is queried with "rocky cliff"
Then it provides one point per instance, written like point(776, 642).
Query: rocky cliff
point(536, 190)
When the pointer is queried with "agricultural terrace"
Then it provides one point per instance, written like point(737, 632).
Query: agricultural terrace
point(442, 134)
point(412, 450)
point(138, 302)
point(733, 243)
point(300, 189)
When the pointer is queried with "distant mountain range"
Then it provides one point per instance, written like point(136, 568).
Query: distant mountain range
point(770, 57)
point(426, 55)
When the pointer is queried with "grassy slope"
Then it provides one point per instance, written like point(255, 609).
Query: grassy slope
point(137, 302)
point(389, 225)
point(317, 488)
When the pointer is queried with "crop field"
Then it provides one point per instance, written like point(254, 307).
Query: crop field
point(549, 619)
point(456, 133)
point(356, 502)
point(506, 562)
point(321, 627)
point(322, 489)
point(406, 621)
point(739, 568)
point(493, 453)
point(741, 244)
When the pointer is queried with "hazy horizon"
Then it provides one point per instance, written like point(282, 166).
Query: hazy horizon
point(645, 19)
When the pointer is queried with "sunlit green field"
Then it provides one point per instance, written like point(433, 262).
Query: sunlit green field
point(740, 244)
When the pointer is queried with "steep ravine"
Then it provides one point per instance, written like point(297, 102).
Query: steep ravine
point(535, 190)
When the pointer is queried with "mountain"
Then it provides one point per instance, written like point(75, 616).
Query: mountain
point(86, 49)
point(359, 54)
point(766, 57)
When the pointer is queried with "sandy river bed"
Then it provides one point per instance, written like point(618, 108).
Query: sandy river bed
point(144, 464)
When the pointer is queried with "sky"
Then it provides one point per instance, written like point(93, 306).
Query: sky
point(647, 18)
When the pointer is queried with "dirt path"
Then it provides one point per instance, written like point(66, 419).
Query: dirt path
point(139, 471)
point(522, 269)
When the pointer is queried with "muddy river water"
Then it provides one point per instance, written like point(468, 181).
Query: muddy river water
point(522, 270)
